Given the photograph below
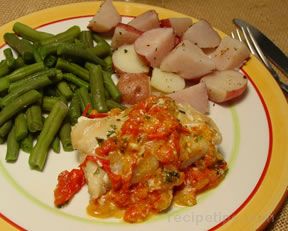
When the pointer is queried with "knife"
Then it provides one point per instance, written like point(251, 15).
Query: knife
point(274, 53)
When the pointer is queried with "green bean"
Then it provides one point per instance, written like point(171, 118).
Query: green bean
point(4, 68)
point(5, 128)
point(28, 33)
point(73, 68)
point(89, 66)
point(99, 39)
point(24, 71)
point(13, 148)
point(74, 109)
point(37, 83)
point(4, 85)
point(50, 49)
point(19, 62)
point(111, 87)
point(84, 97)
point(21, 128)
point(97, 88)
point(65, 136)
point(37, 55)
point(20, 83)
point(65, 36)
point(79, 43)
point(23, 48)
point(109, 63)
point(56, 145)
point(65, 90)
point(101, 50)
point(107, 94)
point(50, 61)
point(18, 104)
point(86, 38)
point(113, 104)
point(74, 79)
point(9, 57)
point(27, 143)
point(48, 102)
point(34, 118)
point(74, 51)
point(50, 91)
point(72, 86)
point(52, 125)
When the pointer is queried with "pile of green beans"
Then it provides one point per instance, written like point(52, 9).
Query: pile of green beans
point(46, 82)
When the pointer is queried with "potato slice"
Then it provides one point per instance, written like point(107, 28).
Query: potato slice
point(196, 96)
point(155, 44)
point(134, 87)
point(166, 82)
point(203, 35)
point(124, 34)
point(146, 21)
point(125, 60)
point(188, 61)
point(225, 85)
point(106, 18)
point(180, 25)
point(230, 54)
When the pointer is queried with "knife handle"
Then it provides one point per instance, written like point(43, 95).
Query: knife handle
point(283, 86)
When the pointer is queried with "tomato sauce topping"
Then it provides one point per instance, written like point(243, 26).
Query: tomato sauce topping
point(143, 162)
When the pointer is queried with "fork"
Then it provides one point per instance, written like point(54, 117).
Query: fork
point(247, 37)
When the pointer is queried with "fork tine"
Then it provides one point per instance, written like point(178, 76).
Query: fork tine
point(239, 36)
point(236, 35)
point(256, 50)
point(249, 42)
point(266, 62)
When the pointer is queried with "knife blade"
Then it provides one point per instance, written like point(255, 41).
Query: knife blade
point(273, 52)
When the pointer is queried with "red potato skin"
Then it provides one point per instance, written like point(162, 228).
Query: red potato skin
point(165, 23)
point(124, 34)
point(134, 87)
point(219, 92)
point(177, 40)
point(234, 94)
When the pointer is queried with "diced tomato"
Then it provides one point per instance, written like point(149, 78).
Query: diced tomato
point(116, 180)
point(174, 141)
point(94, 114)
point(69, 183)
point(157, 135)
point(195, 176)
point(86, 109)
point(130, 127)
point(209, 160)
point(106, 147)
